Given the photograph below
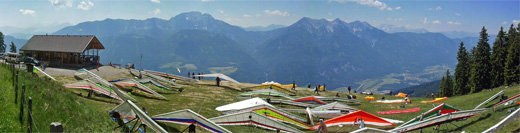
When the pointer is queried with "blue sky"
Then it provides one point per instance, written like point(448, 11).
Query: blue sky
point(433, 15)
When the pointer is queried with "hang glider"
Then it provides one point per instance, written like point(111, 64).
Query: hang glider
point(173, 76)
point(44, 73)
point(438, 110)
point(286, 91)
point(130, 111)
point(276, 114)
point(437, 119)
point(310, 99)
point(391, 101)
point(336, 106)
point(253, 118)
point(158, 78)
point(353, 119)
point(157, 84)
point(220, 75)
point(436, 100)
point(269, 92)
point(243, 104)
point(370, 130)
point(85, 74)
point(505, 101)
point(510, 118)
point(337, 99)
point(188, 117)
point(89, 85)
point(135, 83)
point(399, 111)
point(490, 99)
point(279, 85)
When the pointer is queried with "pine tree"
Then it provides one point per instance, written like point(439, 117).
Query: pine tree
point(441, 90)
point(448, 85)
point(462, 72)
point(498, 59)
point(480, 72)
point(13, 48)
point(512, 62)
point(2, 44)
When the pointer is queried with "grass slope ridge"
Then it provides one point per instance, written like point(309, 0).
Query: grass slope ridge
point(51, 103)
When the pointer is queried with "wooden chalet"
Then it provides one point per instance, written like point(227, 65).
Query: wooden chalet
point(63, 50)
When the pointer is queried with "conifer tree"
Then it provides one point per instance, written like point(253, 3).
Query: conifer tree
point(498, 59)
point(480, 71)
point(2, 44)
point(512, 62)
point(462, 70)
point(13, 47)
point(441, 90)
point(448, 85)
point(512, 65)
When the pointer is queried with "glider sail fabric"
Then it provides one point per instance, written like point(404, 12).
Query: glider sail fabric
point(243, 104)
point(85, 74)
point(253, 118)
point(187, 117)
point(271, 92)
point(336, 106)
point(276, 114)
point(135, 83)
point(436, 100)
point(170, 76)
point(130, 110)
point(286, 91)
point(160, 78)
point(353, 118)
point(440, 109)
point(310, 99)
point(89, 85)
point(438, 119)
point(155, 83)
point(399, 111)
point(220, 75)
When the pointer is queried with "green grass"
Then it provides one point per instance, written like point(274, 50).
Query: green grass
point(50, 104)
point(55, 103)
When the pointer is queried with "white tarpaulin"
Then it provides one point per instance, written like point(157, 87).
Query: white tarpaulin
point(220, 75)
point(243, 104)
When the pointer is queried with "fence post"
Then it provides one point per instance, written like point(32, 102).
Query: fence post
point(29, 115)
point(22, 101)
point(56, 127)
point(16, 93)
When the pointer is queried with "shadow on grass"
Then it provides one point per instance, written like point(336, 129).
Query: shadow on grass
point(169, 128)
point(473, 122)
point(114, 101)
point(140, 94)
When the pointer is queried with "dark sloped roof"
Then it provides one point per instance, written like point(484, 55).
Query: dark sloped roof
point(62, 43)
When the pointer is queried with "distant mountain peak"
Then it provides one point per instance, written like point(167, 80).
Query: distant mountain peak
point(193, 16)
point(390, 28)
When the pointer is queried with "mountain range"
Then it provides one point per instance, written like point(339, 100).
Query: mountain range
point(315, 51)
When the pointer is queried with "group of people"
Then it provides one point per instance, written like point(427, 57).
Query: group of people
point(317, 89)
point(192, 75)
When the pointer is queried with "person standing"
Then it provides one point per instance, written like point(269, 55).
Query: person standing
point(199, 76)
point(319, 86)
point(97, 64)
point(218, 81)
point(193, 75)
point(189, 74)
point(390, 93)
point(433, 96)
point(293, 85)
point(349, 89)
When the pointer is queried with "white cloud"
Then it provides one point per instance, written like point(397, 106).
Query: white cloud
point(457, 14)
point(504, 23)
point(436, 22)
point(220, 11)
point(156, 1)
point(27, 12)
point(430, 9)
point(330, 14)
point(246, 16)
point(516, 22)
point(85, 5)
point(389, 9)
point(156, 11)
point(277, 12)
point(438, 8)
point(454, 23)
point(425, 21)
point(61, 3)
point(398, 8)
point(207, 0)
point(371, 3)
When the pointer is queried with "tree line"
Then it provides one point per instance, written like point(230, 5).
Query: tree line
point(3, 46)
point(484, 67)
